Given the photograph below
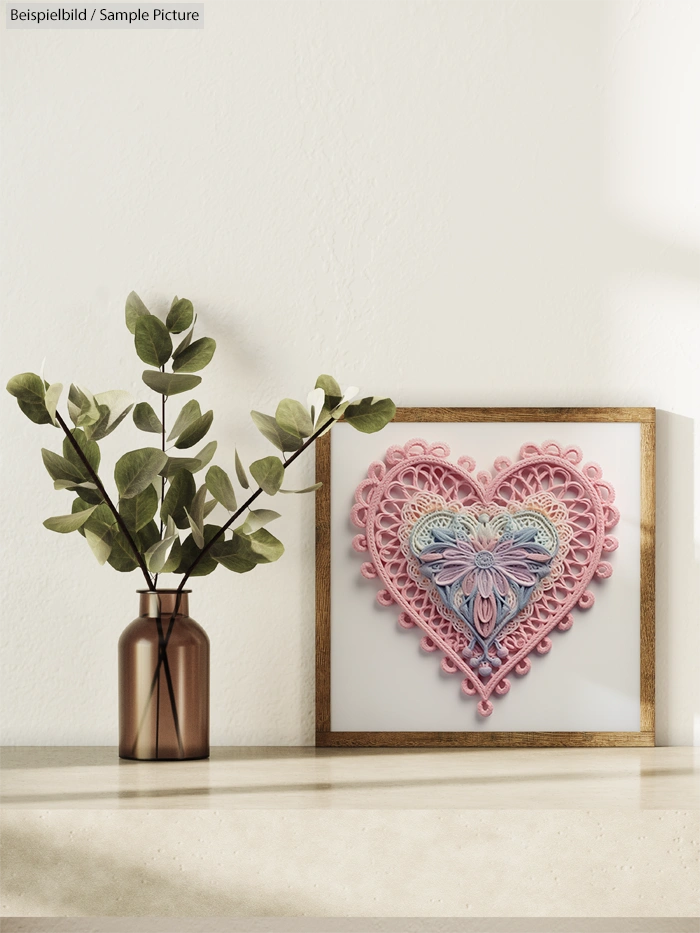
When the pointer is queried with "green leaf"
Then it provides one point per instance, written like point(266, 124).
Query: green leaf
point(292, 417)
point(89, 448)
point(157, 555)
point(197, 533)
point(299, 491)
point(35, 411)
point(179, 496)
point(135, 309)
point(205, 454)
point(236, 555)
point(64, 524)
point(197, 506)
point(370, 414)
point(195, 516)
point(194, 357)
point(113, 406)
point(79, 505)
point(186, 340)
point(180, 315)
point(147, 537)
point(195, 432)
point(243, 551)
point(173, 561)
point(92, 454)
point(100, 542)
point(138, 510)
point(219, 485)
point(256, 518)
point(339, 410)
point(82, 407)
point(152, 341)
point(333, 395)
point(169, 383)
point(91, 496)
point(189, 413)
point(146, 419)
point(241, 473)
point(71, 484)
point(268, 473)
point(27, 387)
point(266, 547)
point(276, 435)
point(97, 430)
point(329, 386)
point(193, 464)
point(176, 465)
point(29, 390)
point(60, 468)
point(121, 557)
point(51, 399)
point(190, 552)
point(209, 507)
point(137, 469)
point(101, 518)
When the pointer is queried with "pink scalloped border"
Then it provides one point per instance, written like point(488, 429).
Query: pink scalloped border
point(375, 510)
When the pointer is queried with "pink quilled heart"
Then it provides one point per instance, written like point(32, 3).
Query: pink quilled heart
point(416, 494)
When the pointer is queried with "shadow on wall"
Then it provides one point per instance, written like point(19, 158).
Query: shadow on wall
point(41, 876)
point(676, 566)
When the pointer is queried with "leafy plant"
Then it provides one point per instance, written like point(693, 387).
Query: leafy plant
point(159, 492)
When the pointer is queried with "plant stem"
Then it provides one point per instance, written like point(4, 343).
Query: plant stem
point(98, 482)
point(171, 691)
point(155, 584)
point(224, 528)
point(162, 479)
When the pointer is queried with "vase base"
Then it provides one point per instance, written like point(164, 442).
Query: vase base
point(125, 757)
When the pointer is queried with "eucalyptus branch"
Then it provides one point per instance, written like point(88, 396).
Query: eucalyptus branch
point(98, 482)
point(162, 447)
point(224, 528)
point(162, 479)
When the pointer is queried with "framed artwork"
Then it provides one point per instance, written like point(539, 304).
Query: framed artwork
point(485, 576)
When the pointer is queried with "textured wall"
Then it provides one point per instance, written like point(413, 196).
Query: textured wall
point(468, 203)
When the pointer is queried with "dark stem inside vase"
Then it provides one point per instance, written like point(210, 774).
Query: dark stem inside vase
point(163, 682)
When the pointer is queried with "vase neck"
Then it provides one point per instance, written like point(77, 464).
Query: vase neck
point(149, 602)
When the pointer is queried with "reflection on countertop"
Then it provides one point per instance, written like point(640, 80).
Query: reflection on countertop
point(378, 778)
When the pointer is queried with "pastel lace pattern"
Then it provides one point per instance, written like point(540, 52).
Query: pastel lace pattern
point(486, 564)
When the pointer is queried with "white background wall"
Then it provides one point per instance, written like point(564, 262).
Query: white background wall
point(473, 203)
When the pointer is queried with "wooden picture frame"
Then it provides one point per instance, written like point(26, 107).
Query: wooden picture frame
point(326, 737)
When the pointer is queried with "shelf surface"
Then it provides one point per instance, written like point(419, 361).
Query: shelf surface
point(290, 832)
point(298, 778)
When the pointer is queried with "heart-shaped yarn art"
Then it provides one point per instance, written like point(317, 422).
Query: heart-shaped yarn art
point(486, 564)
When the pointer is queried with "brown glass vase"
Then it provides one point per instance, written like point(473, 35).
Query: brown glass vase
point(163, 682)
